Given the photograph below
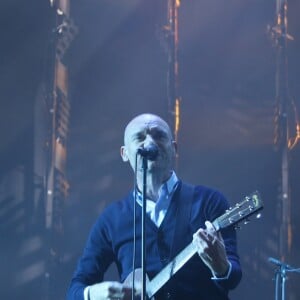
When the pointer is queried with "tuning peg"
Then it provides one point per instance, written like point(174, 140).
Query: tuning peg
point(258, 216)
point(246, 221)
point(236, 227)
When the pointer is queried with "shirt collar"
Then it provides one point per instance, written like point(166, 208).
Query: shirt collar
point(170, 184)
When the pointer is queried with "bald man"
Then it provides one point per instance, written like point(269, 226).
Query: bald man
point(176, 215)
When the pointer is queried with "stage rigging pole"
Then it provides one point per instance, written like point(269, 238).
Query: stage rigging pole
point(283, 138)
point(171, 32)
point(58, 101)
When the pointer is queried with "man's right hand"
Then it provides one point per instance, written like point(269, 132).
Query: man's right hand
point(107, 290)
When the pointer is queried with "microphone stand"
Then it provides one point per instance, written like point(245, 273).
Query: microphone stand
point(143, 258)
point(280, 281)
point(281, 277)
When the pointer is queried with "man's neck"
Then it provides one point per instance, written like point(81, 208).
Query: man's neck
point(154, 182)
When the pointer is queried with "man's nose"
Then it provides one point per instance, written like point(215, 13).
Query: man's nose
point(149, 141)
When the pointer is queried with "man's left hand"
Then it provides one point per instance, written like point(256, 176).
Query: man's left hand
point(211, 249)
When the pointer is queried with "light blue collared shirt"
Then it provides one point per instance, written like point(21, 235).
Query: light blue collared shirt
point(157, 210)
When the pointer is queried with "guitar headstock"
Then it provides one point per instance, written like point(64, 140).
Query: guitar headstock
point(250, 205)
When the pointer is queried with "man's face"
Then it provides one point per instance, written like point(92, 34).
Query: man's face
point(144, 131)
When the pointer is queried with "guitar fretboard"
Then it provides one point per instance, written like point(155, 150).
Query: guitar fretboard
point(170, 269)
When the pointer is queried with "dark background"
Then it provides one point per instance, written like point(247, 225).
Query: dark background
point(118, 69)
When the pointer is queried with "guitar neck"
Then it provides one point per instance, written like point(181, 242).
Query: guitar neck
point(170, 269)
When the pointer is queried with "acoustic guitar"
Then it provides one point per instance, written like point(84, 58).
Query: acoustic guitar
point(234, 216)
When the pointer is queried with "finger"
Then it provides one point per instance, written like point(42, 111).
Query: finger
point(212, 233)
point(203, 234)
point(203, 251)
point(203, 240)
point(115, 291)
point(208, 259)
point(116, 295)
point(202, 244)
point(210, 227)
point(208, 237)
point(115, 285)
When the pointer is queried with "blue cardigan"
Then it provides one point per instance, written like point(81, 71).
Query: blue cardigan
point(111, 240)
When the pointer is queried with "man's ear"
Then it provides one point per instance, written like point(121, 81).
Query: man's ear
point(123, 153)
point(175, 147)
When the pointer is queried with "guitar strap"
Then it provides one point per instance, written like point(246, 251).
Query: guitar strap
point(183, 213)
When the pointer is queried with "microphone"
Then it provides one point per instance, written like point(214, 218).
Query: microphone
point(150, 152)
point(278, 262)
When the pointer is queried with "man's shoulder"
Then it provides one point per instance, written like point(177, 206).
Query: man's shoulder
point(114, 212)
point(207, 197)
point(119, 205)
point(204, 190)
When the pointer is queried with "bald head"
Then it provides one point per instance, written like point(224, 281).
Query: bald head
point(146, 120)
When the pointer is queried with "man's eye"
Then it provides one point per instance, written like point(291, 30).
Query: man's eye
point(140, 137)
point(159, 135)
